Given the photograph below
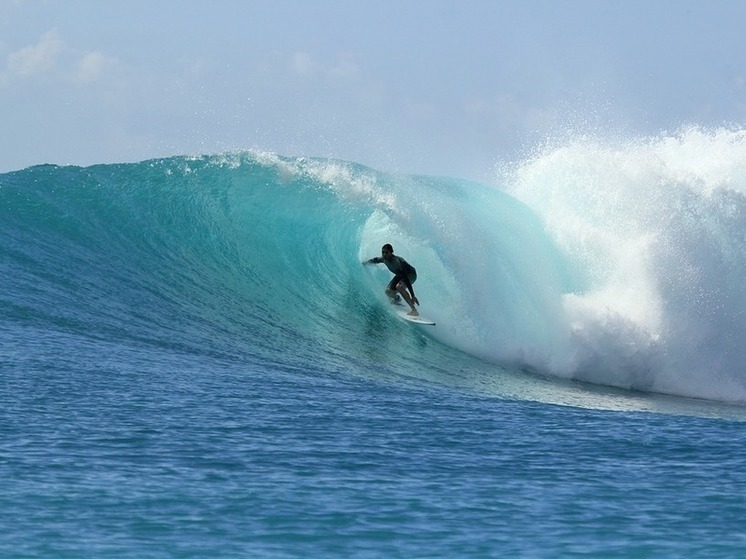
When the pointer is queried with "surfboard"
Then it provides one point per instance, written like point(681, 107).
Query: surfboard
point(401, 310)
point(416, 319)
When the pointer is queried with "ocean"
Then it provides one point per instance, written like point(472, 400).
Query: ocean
point(195, 363)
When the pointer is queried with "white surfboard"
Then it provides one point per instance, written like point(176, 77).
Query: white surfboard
point(416, 319)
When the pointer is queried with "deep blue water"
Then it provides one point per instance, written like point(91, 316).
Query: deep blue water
point(194, 363)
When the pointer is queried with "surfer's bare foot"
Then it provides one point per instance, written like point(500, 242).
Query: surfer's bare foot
point(413, 312)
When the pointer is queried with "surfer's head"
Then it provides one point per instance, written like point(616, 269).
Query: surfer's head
point(387, 250)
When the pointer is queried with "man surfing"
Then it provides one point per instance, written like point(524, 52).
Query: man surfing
point(404, 276)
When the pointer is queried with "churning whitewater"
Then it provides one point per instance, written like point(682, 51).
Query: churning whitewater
point(616, 264)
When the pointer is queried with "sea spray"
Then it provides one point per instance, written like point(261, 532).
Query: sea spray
point(654, 231)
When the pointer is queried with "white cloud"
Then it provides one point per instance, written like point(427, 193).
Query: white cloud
point(344, 67)
point(38, 58)
point(50, 56)
point(303, 64)
point(509, 112)
point(90, 67)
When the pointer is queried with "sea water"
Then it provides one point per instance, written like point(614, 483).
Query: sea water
point(194, 361)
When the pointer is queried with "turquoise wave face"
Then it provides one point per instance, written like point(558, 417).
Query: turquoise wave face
point(189, 253)
point(256, 256)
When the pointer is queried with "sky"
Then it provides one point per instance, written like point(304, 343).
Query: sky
point(436, 87)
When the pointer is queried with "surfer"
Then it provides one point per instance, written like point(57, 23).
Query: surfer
point(404, 276)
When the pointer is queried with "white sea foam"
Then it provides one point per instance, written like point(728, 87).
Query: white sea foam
point(655, 232)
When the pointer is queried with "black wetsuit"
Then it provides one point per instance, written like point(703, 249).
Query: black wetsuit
point(402, 270)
